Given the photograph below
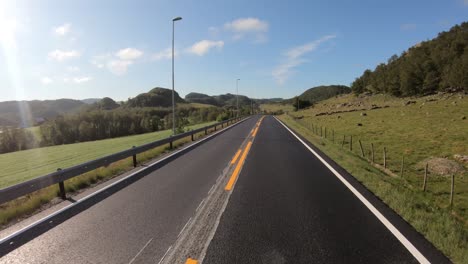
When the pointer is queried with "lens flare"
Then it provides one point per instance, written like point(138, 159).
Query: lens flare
point(8, 30)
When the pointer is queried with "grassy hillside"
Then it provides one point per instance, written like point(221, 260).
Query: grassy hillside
point(271, 108)
point(24, 165)
point(429, 129)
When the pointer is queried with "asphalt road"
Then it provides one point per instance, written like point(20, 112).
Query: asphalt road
point(285, 206)
point(138, 223)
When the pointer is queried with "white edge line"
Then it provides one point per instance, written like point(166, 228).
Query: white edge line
point(167, 251)
point(409, 246)
point(200, 205)
point(186, 224)
point(211, 189)
point(141, 250)
point(45, 218)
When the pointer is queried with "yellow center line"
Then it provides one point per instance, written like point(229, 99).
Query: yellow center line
point(255, 132)
point(191, 261)
point(234, 159)
point(236, 172)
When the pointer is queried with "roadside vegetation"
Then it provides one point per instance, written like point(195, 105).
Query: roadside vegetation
point(431, 129)
point(25, 165)
point(104, 119)
point(46, 160)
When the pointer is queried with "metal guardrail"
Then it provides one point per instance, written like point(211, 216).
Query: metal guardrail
point(12, 192)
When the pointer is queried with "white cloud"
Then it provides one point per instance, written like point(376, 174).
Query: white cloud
point(129, 54)
point(73, 69)
point(408, 26)
point(118, 62)
point(247, 25)
point(294, 58)
point(119, 67)
point(63, 29)
point(61, 55)
point(81, 79)
point(46, 80)
point(202, 47)
point(165, 54)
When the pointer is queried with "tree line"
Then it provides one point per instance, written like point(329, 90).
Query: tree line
point(436, 65)
point(97, 124)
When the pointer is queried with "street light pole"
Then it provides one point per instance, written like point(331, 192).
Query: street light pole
point(173, 99)
point(237, 91)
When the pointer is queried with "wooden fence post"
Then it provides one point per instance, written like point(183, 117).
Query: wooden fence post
point(425, 178)
point(344, 138)
point(325, 132)
point(372, 152)
point(362, 150)
point(351, 143)
point(385, 157)
point(321, 135)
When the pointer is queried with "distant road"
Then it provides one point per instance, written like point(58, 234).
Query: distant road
point(285, 207)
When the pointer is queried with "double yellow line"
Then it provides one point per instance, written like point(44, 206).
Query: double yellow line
point(241, 161)
point(238, 160)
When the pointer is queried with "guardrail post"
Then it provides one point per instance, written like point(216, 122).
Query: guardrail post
point(192, 136)
point(206, 132)
point(134, 159)
point(170, 145)
point(215, 128)
point(63, 195)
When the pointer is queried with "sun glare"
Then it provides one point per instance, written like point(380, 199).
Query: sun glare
point(8, 29)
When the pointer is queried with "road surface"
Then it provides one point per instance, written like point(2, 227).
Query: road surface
point(252, 194)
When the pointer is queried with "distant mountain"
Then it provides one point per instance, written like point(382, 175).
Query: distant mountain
point(91, 100)
point(156, 97)
point(28, 113)
point(320, 93)
point(201, 98)
point(218, 100)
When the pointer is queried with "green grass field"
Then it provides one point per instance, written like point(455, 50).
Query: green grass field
point(24, 165)
point(430, 127)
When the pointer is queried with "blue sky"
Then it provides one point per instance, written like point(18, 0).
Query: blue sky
point(87, 49)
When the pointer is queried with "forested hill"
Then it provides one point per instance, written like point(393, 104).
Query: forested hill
point(218, 100)
point(439, 64)
point(320, 93)
point(156, 97)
